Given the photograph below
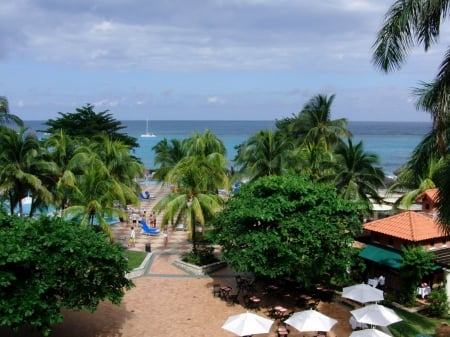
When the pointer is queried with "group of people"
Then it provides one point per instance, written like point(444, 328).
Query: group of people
point(132, 242)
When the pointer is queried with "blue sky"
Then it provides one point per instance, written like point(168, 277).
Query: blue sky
point(203, 59)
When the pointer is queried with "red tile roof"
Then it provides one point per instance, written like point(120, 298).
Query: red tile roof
point(411, 226)
point(431, 193)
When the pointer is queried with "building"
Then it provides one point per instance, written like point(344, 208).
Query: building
point(387, 236)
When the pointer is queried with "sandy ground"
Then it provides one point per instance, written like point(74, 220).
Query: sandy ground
point(170, 302)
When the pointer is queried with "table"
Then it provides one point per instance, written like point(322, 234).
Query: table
point(253, 302)
point(424, 291)
point(278, 312)
point(373, 282)
point(282, 332)
point(225, 291)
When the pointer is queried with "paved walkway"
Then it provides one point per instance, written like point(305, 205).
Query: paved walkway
point(161, 261)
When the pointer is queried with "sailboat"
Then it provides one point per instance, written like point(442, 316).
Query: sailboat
point(148, 134)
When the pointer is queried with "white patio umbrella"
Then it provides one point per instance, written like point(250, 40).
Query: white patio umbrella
point(310, 320)
point(247, 324)
point(27, 200)
point(363, 293)
point(369, 333)
point(375, 314)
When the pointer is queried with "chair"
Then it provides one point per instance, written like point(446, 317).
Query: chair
point(314, 305)
point(239, 282)
point(216, 290)
point(147, 230)
point(233, 298)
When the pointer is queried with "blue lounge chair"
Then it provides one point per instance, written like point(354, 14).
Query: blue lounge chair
point(144, 196)
point(147, 230)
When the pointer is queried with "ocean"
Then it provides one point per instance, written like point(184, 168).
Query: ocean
point(393, 142)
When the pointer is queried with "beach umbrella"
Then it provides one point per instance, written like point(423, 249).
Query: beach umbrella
point(310, 320)
point(247, 323)
point(27, 200)
point(375, 314)
point(363, 293)
point(369, 333)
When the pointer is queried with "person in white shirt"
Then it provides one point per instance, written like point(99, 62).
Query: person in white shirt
point(381, 281)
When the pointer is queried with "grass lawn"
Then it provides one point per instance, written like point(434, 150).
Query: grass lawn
point(135, 258)
point(414, 323)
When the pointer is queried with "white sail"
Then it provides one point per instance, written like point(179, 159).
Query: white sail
point(148, 134)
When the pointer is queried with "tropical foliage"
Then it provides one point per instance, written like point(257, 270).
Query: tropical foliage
point(265, 153)
point(196, 179)
point(280, 226)
point(59, 265)
point(409, 23)
point(87, 177)
point(23, 169)
point(85, 122)
point(356, 174)
point(416, 263)
point(6, 116)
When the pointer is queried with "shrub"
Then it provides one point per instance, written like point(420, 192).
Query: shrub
point(438, 303)
point(201, 256)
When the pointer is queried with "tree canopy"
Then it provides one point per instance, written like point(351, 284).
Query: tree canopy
point(288, 226)
point(85, 122)
point(49, 264)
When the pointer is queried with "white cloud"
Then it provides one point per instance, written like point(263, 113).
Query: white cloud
point(215, 100)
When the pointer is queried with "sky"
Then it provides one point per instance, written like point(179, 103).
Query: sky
point(204, 59)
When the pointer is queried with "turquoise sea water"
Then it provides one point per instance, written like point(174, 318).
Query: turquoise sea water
point(391, 141)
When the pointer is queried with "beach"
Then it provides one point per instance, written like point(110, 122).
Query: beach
point(170, 301)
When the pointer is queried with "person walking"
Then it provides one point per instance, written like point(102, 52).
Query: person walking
point(132, 237)
point(166, 236)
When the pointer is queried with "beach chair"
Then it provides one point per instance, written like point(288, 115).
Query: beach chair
point(147, 230)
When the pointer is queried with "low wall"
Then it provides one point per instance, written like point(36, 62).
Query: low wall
point(199, 270)
point(139, 271)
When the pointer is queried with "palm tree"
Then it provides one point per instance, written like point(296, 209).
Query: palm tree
point(356, 175)
point(23, 168)
point(199, 144)
point(5, 115)
point(105, 173)
point(265, 153)
point(121, 166)
point(416, 182)
point(167, 155)
point(409, 23)
point(197, 177)
point(315, 119)
point(314, 123)
point(313, 159)
point(93, 197)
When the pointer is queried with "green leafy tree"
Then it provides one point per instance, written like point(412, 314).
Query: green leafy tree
point(357, 175)
point(85, 122)
point(5, 114)
point(23, 169)
point(61, 149)
point(410, 23)
point(94, 195)
point(288, 226)
point(313, 124)
point(438, 300)
point(167, 155)
point(414, 184)
point(416, 263)
point(59, 265)
point(196, 178)
point(265, 153)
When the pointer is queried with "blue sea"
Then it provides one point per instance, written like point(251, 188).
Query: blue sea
point(393, 142)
